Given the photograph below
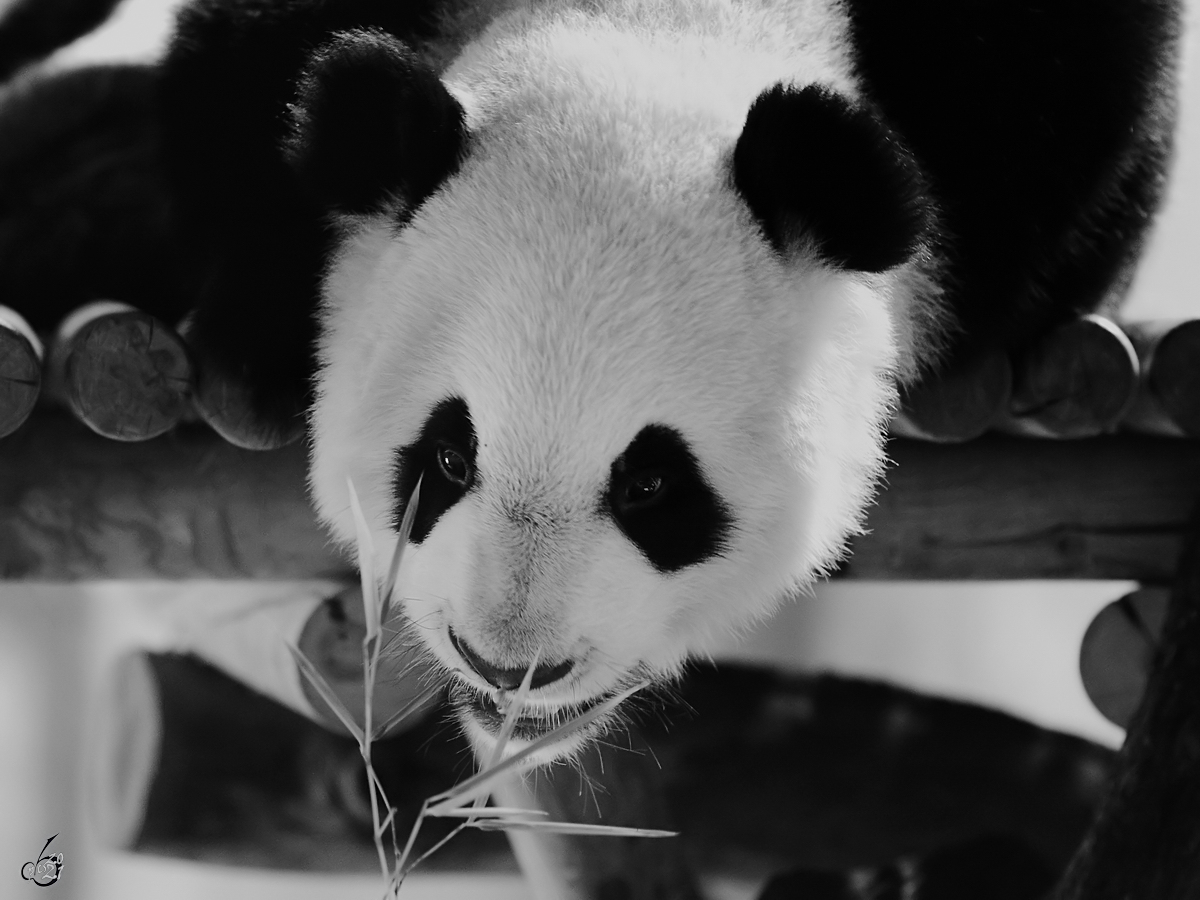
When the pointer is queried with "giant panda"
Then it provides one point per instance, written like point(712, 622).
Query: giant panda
point(631, 286)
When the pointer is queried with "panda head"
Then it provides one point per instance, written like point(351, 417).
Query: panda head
point(639, 352)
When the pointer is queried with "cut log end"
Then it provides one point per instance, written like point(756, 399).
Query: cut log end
point(1079, 381)
point(229, 410)
point(957, 404)
point(20, 378)
point(1117, 651)
point(1174, 376)
point(127, 376)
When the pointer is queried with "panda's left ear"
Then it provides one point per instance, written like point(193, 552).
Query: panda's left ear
point(816, 169)
point(371, 124)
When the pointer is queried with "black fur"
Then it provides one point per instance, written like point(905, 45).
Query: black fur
point(1041, 132)
point(372, 125)
point(684, 522)
point(1043, 129)
point(1014, 872)
point(812, 166)
point(448, 426)
point(33, 29)
point(84, 209)
point(259, 240)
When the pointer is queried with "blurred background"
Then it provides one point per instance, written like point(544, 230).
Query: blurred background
point(1012, 646)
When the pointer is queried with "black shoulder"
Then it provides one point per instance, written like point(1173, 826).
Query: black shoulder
point(1044, 130)
point(262, 103)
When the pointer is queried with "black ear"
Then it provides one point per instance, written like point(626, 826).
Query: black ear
point(812, 165)
point(371, 123)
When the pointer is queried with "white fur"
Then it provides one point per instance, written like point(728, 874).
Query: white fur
point(588, 272)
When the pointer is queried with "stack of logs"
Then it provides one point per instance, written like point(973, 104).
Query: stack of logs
point(1089, 377)
point(130, 377)
point(122, 372)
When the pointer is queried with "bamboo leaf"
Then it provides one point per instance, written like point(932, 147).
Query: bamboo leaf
point(366, 563)
point(489, 824)
point(387, 820)
point(516, 703)
point(404, 712)
point(317, 680)
point(488, 812)
point(483, 782)
point(406, 523)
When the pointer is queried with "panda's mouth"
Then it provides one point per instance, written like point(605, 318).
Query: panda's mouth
point(531, 724)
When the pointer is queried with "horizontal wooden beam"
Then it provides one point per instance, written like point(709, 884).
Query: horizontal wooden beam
point(74, 505)
point(1000, 507)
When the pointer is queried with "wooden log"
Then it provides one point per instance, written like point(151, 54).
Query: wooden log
point(1117, 651)
point(187, 504)
point(1000, 507)
point(1146, 839)
point(125, 375)
point(227, 408)
point(188, 762)
point(958, 404)
point(332, 639)
point(20, 370)
point(1078, 381)
point(1168, 397)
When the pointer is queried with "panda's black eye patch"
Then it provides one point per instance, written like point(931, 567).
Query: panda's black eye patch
point(445, 452)
point(659, 498)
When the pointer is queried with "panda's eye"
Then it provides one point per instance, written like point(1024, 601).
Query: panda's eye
point(643, 489)
point(453, 465)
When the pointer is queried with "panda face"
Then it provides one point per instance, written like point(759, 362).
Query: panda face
point(531, 585)
point(635, 427)
point(636, 422)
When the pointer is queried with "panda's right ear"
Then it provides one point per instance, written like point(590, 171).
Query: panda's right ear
point(372, 125)
point(816, 169)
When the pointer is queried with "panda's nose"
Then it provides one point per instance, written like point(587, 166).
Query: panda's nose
point(505, 678)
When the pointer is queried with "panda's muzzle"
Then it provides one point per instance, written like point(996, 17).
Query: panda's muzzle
point(484, 711)
point(509, 679)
